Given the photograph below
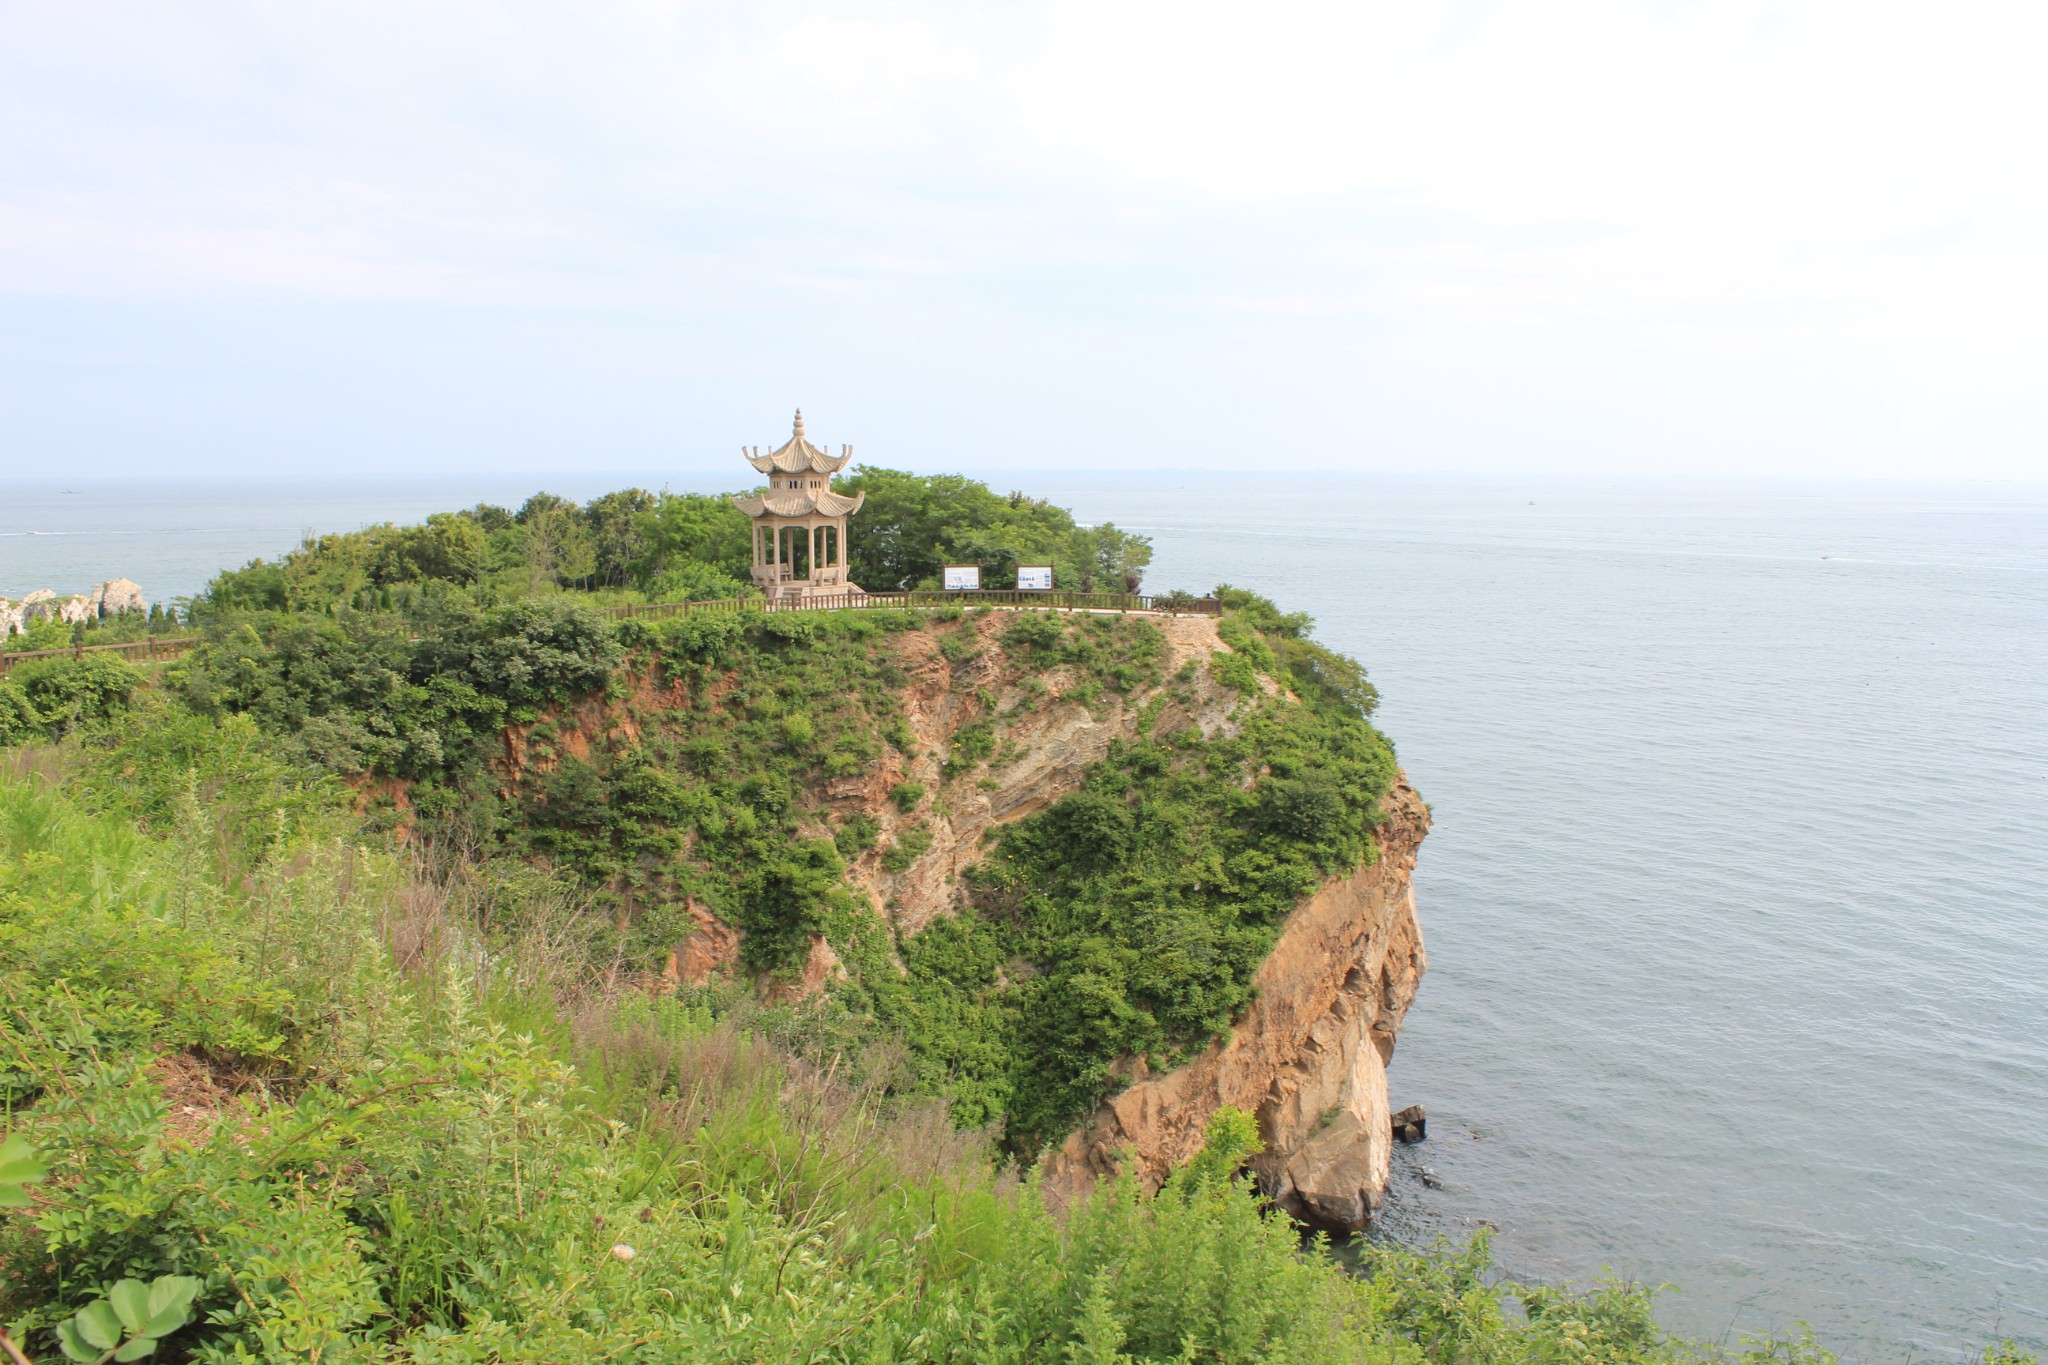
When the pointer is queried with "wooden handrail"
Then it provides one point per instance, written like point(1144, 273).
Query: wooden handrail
point(149, 651)
point(931, 599)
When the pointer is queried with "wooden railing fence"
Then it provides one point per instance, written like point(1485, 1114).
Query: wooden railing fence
point(1164, 604)
point(140, 651)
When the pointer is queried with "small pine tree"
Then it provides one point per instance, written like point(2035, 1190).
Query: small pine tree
point(1099, 1334)
point(1230, 1140)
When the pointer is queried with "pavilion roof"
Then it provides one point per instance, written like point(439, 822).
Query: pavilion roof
point(799, 502)
point(797, 456)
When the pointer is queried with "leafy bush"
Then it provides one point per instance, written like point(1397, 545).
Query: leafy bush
point(1308, 809)
point(1278, 643)
point(856, 835)
point(971, 744)
point(690, 581)
point(19, 722)
point(130, 1321)
point(51, 697)
point(367, 692)
point(1094, 826)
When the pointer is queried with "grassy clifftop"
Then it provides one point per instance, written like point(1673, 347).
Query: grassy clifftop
point(767, 769)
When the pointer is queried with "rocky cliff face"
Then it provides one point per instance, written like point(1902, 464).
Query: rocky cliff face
point(110, 598)
point(1309, 1058)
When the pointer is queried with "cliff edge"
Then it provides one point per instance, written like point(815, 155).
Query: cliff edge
point(1046, 855)
point(1308, 1058)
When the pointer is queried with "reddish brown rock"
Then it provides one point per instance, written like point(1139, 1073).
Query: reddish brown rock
point(712, 947)
point(1309, 1057)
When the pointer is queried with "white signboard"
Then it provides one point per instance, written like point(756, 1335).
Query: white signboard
point(1034, 578)
point(963, 578)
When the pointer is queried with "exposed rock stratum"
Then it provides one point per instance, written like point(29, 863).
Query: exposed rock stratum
point(1309, 1057)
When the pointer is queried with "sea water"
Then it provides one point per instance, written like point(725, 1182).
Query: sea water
point(1737, 896)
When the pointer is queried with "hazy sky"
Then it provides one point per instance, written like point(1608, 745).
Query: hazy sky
point(436, 237)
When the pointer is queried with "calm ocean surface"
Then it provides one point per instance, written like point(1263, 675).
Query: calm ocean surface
point(1737, 901)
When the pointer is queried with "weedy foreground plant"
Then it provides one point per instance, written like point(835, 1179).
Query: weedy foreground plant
point(365, 1113)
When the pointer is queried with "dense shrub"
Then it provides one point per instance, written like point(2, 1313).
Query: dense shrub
point(472, 1159)
point(51, 697)
point(19, 721)
point(377, 692)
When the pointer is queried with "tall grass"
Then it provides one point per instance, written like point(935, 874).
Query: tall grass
point(387, 1110)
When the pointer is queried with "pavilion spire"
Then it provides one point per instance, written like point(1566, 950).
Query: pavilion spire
point(798, 454)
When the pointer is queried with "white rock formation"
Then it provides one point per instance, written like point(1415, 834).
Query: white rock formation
point(111, 598)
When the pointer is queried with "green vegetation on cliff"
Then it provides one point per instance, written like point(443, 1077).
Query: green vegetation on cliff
point(367, 1112)
point(331, 990)
point(50, 698)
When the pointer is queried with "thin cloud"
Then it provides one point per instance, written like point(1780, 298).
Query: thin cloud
point(1251, 217)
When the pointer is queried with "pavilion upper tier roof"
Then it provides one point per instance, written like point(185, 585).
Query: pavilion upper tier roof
point(800, 502)
point(798, 456)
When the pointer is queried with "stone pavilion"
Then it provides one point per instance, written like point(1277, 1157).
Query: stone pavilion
point(799, 522)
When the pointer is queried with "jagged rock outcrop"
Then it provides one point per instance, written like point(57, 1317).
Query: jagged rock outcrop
point(111, 598)
point(1309, 1057)
point(115, 597)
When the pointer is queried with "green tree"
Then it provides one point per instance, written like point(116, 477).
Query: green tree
point(681, 530)
point(540, 504)
point(450, 547)
point(490, 516)
point(915, 524)
point(615, 532)
point(558, 545)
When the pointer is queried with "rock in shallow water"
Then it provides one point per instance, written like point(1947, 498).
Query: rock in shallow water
point(1411, 1125)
